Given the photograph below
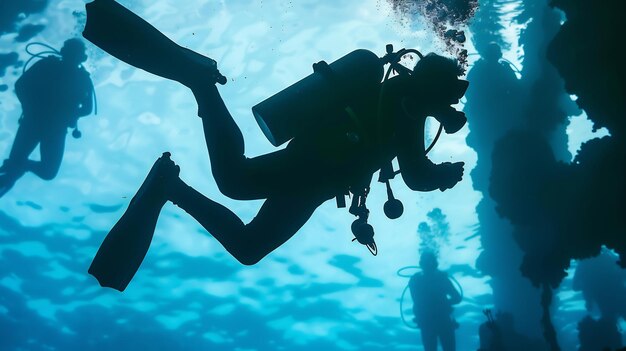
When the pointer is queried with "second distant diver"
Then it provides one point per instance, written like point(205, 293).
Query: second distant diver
point(315, 166)
point(54, 93)
point(433, 297)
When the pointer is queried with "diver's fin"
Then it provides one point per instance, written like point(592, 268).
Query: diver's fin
point(6, 184)
point(126, 245)
point(123, 34)
point(8, 178)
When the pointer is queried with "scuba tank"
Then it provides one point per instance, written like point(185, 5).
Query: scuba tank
point(311, 102)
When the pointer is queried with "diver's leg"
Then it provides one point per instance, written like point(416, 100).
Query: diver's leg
point(278, 220)
point(223, 137)
point(448, 339)
point(25, 142)
point(237, 176)
point(429, 339)
point(13, 168)
point(51, 151)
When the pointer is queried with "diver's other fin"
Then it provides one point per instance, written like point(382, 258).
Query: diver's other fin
point(126, 245)
point(8, 177)
point(123, 34)
point(6, 184)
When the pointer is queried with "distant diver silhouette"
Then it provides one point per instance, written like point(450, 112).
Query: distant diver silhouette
point(433, 296)
point(343, 123)
point(54, 92)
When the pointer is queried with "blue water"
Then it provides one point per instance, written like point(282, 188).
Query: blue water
point(318, 291)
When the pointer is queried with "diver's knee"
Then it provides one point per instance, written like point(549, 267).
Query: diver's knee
point(228, 188)
point(233, 187)
point(48, 174)
point(46, 177)
point(249, 253)
point(249, 259)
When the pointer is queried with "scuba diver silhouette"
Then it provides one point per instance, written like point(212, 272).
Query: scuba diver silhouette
point(55, 92)
point(344, 125)
point(433, 296)
point(494, 95)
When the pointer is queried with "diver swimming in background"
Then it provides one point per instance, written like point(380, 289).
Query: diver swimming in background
point(55, 92)
point(433, 297)
point(362, 125)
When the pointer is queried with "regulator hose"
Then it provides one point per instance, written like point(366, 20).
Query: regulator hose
point(406, 288)
point(34, 55)
point(409, 325)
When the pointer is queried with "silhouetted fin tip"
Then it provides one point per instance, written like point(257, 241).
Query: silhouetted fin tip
point(103, 283)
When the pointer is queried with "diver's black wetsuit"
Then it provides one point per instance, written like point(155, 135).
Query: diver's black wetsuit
point(294, 180)
point(312, 168)
point(433, 296)
point(54, 94)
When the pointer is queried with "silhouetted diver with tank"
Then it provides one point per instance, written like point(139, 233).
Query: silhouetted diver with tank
point(54, 92)
point(345, 122)
point(433, 297)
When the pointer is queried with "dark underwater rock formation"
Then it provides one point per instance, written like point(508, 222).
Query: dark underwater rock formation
point(446, 18)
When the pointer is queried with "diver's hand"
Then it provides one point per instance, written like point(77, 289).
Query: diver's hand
point(449, 174)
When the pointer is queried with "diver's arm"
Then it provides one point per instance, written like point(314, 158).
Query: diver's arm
point(86, 104)
point(415, 167)
point(418, 172)
point(454, 296)
point(85, 107)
